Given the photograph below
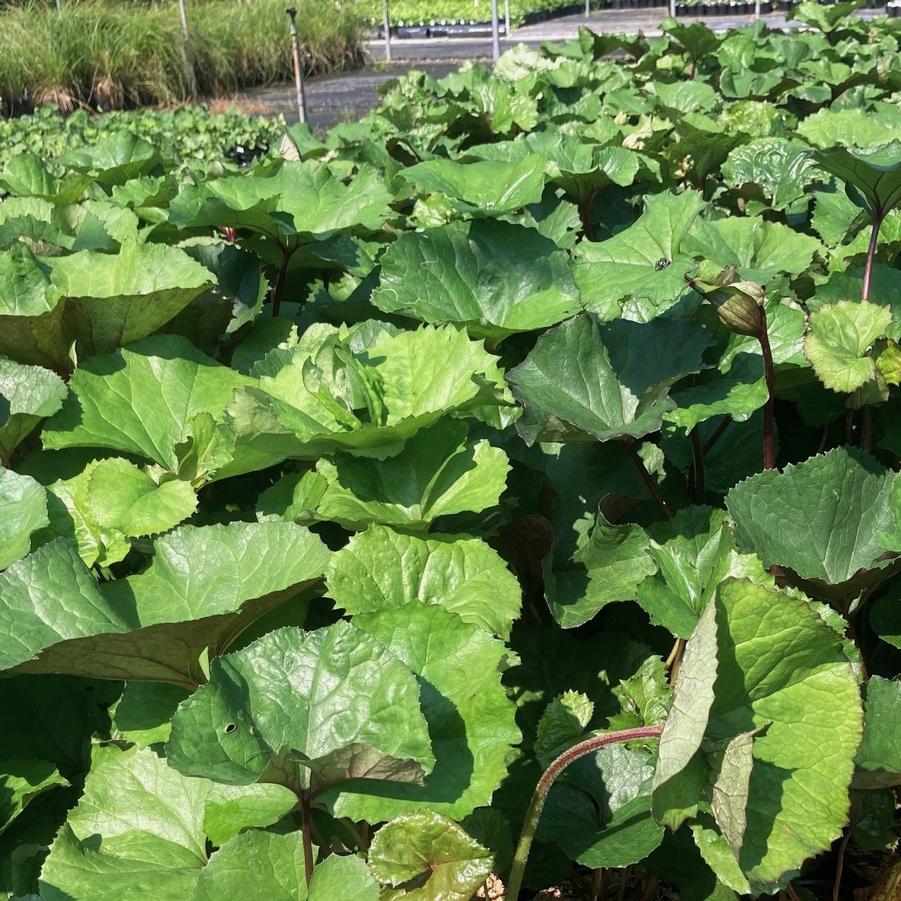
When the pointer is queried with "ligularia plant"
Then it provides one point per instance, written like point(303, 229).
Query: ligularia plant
point(497, 493)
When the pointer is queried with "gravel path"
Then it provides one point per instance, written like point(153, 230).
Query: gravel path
point(341, 98)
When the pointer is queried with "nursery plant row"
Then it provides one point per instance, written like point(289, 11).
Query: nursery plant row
point(499, 493)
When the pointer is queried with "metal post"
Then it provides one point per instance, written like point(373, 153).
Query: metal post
point(756, 10)
point(298, 69)
point(507, 19)
point(59, 6)
point(672, 9)
point(386, 24)
point(587, 8)
point(186, 49)
point(495, 28)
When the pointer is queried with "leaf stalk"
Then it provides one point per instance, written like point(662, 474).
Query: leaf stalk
point(548, 778)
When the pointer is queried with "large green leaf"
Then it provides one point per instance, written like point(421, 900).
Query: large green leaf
point(21, 781)
point(588, 380)
point(202, 588)
point(840, 340)
point(693, 553)
point(28, 394)
point(115, 158)
point(301, 201)
point(819, 518)
point(114, 299)
point(601, 815)
point(147, 399)
point(757, 664)
point(23, 510)
point(493, 277)
point(112, 501)
point(609, 565)
point(469, 715)
point(304, 709)
point(488, 187)
point(639, 272)
point(875, 173)
point(439, 472)
point(31, 316)
point(759, 249)
point(778, 168)
point(879, 757)
point(137, 832)
point(269, 866)
point(382, 568)
point(364, 391)
point(828, 128)
point(433, 853)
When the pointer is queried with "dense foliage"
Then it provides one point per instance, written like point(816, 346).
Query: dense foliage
point(108, 54)
point(340, 496)
point(184, 135)
point(425, 12)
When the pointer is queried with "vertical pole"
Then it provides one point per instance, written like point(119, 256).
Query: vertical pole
point(507, 19)
point(298, 69)
point(756, 10)
point(386, 24)
point(189, 57)
point(59, 6)
point(495, 37)
point(672, 9)
point(587, 8)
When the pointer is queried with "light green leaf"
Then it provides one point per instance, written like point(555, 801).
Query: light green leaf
point(604, 381)
point(383, 568)
point(683, 734)
point(820, 518)
point(143, 399)
point(693, 553)
point(114, 159)
point(365, 392)
point(304, 709)
point(268, 866)
point(202, 588)
point(21, 781)
point(879, 757)
point(298, 201)
point(564, 720)
point(730, 777)
point(27, 395)
point(149, 819)
point(446, 863)
point(489, 187)
point(31, 329)
point(120, 496)
point(606, 821)
point(493, 277)
point(470, 717)
point(609, 565)
point(439, 472)
point(737, 393)
point(640, 272)
point(115, 299)
point(839, 343)
point(141, 715)
point(230, 809)
point(23, 510)
point(774, 660)
point(780, 169)
point(759, 249)
point(847, 128)
point(112, 501)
